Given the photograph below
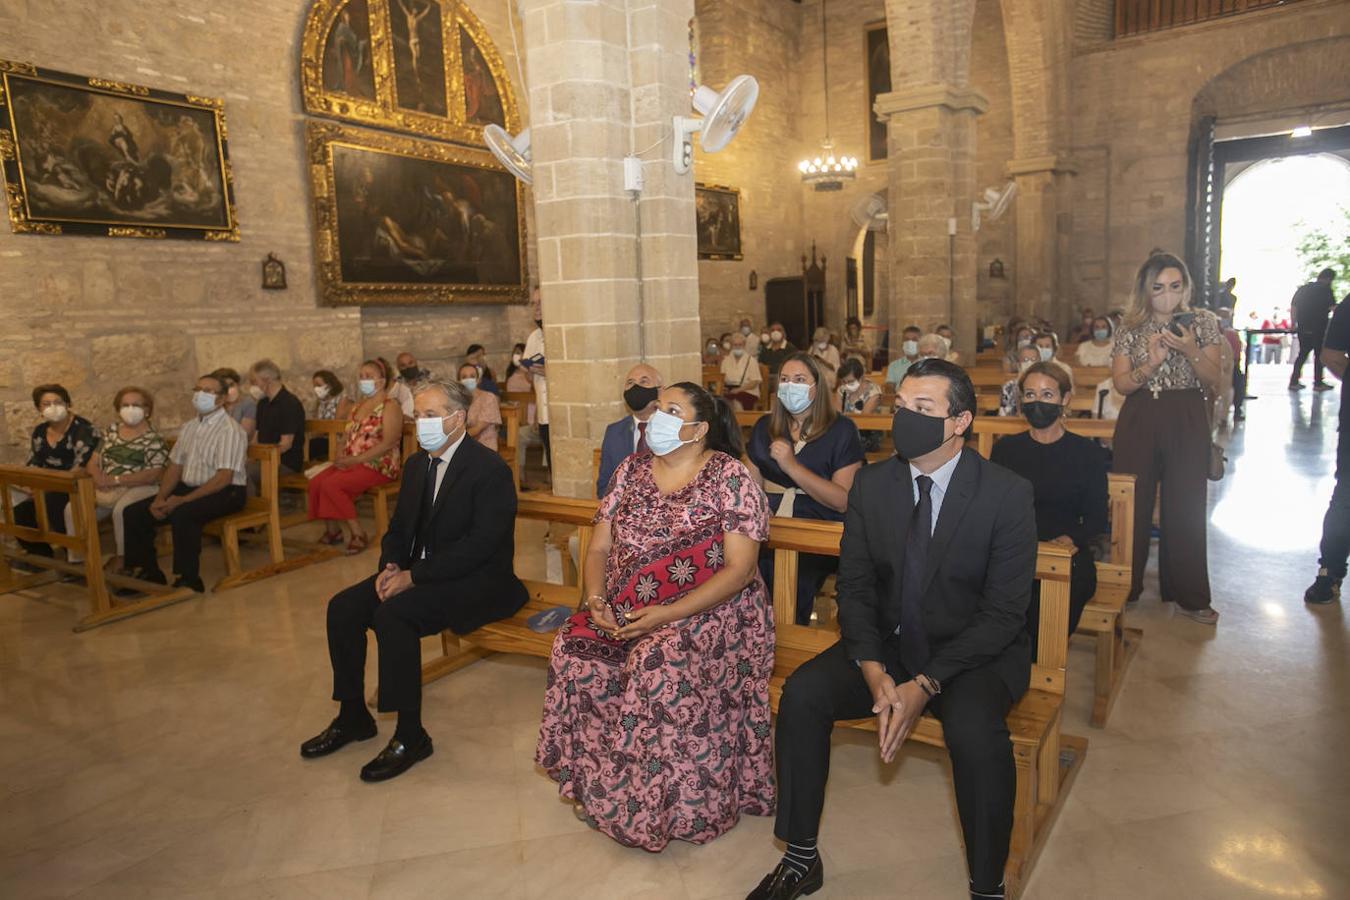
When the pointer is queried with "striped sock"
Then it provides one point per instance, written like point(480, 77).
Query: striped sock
point(801, 856)
point(995, 894)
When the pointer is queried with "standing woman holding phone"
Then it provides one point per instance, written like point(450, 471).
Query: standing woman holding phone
point(1166, 356)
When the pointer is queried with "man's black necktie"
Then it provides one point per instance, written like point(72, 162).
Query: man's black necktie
point(428, 504)
point(914, 651)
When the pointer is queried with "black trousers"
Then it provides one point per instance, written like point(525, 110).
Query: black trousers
point(399, 624)
point(1336, 524)
point(1309, 343)
point(25, 513)
point(187, 522)
point(973, 707)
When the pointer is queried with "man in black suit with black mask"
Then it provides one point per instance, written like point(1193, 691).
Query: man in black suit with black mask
point(935, 575)
point(446, 562)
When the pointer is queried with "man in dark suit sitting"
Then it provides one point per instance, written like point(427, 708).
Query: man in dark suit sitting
point(446, 562)
point(935, 574)
point(629, 435)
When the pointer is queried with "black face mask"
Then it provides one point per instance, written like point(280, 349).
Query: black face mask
point(1041, 414)
point(915, 434)
point(639, 398)
point(410, 374)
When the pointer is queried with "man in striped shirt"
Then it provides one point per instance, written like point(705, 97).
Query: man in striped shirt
point(204, 480)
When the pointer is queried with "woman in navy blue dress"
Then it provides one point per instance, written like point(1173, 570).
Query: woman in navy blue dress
point(805, 455)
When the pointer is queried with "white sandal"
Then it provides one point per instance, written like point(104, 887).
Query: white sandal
point(1207, 616)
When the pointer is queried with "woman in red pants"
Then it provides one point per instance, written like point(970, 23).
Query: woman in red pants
point(369, 456)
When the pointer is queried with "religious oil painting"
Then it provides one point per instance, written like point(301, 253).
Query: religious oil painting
point(482, 102)
point(405, 220)
point(91, 156)
point(718, 221)
point(419, 55)
point(878, 72)
point(348, 65)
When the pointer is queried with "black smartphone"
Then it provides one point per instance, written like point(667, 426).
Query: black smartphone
point(1181, 320)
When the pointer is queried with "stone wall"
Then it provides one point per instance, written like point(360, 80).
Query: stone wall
point(993, 150)
point(98, 313)
point(759, 39)
point(1132, 104)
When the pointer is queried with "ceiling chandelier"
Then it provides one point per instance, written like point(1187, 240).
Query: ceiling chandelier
point(827, 171)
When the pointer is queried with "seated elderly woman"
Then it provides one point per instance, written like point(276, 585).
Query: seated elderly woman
point(945, 332)
point(1047, 345)
point(858, 395)
point(1068, 475)
point(740, 375)
point(241, 406)
point(330, 404)
point(656, 711)
point(63, 441)
point(1096, 350)
point(826, 355)
point(933, 346)
point(127, 465)
point(484, 419)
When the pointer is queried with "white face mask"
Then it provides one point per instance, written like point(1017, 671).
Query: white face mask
point(233, 393)
point(726, 345)
point(849, 387)
point(256, 392)
point(821, 345)
point(776, 336)
point(366, 386)
point(1047, 353)
point(738, 352)
point(515, 358)
point(712, 348)
point(745, 330)
point(55, 413)
point(663, 433)
point(132, 415)
point(764, 337)
point(911, 348)
point(321, 391)
point(203, 402)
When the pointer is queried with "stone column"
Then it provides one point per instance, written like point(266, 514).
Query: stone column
point(931, 137)
point(1042, 238)
point(604, 79)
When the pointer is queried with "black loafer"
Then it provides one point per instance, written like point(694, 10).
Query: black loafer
point(335, 737)
point(396, 758)
point(783, 883)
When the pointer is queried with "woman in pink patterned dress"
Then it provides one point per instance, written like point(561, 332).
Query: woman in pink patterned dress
point(656, 716)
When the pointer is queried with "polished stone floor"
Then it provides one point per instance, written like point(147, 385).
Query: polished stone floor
point(157, 757)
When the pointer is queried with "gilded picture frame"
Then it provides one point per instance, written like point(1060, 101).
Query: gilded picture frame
point(90, 156)
point(376, 91)
point(401, 221)
point(717, 211)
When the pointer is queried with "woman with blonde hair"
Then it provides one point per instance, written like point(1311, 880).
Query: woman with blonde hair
point(1166, 356)
point(805, 454)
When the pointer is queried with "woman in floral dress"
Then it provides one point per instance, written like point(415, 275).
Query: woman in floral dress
point(656, 715)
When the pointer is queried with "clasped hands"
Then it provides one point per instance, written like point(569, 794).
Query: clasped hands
point(897, 707)
point(392, 582)
point(641, 622)
point(161, 508)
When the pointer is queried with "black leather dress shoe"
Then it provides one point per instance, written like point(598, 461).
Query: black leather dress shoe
point(783, 883)
point(335, 737)
point(396, 758)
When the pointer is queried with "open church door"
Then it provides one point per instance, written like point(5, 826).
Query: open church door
point(1203, 212)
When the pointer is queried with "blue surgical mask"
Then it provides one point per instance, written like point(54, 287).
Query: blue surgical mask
point(366, 386)
point(203, 402)
point(911, 348)
point(469, 383)
point(431, 434)
point(663, 433)
point(794, 397)
point(1101, 334)
point(1047, 353)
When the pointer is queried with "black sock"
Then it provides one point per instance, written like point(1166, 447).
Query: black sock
point(801, 856)
point(409, 729)
point(353, 713)
point(988, 894)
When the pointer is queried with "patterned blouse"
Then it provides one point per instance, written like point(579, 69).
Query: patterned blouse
point(365, 434)
point(71, 452)
point(327, 407)
point(1176, 373)
point(123, 457)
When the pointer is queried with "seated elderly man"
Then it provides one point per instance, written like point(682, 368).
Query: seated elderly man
point(410, 376)
point(445, 562)
point(205, 480)
point(629, 435)
point(740, 375)
point(281, 416)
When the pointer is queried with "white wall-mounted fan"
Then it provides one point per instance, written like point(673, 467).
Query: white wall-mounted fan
point(512, 152)
point(993, 205)
point(723, 115)
point(870, 213)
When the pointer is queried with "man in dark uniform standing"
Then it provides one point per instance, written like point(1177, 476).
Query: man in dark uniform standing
point(1310, 309)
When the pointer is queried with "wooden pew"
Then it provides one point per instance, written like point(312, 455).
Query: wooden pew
point(1046, 760)
point(714, 381)
point(104, 608)
point(522, 400)
point(262, 511)
point(508, 437)
point(1103, 615)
